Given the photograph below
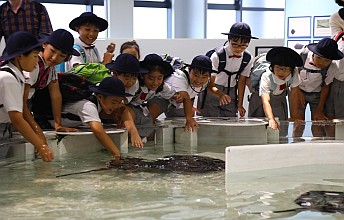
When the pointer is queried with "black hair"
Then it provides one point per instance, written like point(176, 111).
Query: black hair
point(126, 74)
point(340, 3)
point(237, 38)
point(39, 48)
point(130, 44)
point(200, 70)
point(281, 59)
point(152, 68)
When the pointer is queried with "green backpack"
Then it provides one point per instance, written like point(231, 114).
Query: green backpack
point(93, 72)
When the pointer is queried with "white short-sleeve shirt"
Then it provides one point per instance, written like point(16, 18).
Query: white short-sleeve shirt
point(32, 77)
point(11, 92)
point(85, 109)
point(312, 82)
point(232, 65)
point(179, 82)
point(266, 84)
point(139, 99)
point(91, 55)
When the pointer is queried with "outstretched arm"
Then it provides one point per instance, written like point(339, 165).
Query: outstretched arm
point(190, 124)
point(268, 112)
point(104, 139)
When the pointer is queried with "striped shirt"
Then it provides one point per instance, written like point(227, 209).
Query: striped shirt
point(31, 16)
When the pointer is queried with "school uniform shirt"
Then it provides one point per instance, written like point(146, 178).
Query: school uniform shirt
point(90, 54)
point(85, 109)
point(32, 77)
point(145, 95)
point(232, 65)
point(336, 23)
point(312, 82)
point(339, 75)
point(179, 82)
point(266, 84)
point(132, 90)
point(11, 92)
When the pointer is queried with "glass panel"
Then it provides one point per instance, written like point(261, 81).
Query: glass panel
point(70, 12)
point(220, 1)
point(264, 3)
point(261, 23)
point(150, 23)
point(215, 27)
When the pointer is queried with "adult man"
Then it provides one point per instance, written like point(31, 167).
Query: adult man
point(23, 15)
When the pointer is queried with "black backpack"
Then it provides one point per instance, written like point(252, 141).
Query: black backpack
point(221, 53)
point(74, 87)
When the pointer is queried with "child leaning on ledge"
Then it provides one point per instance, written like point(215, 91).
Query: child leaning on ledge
point(275, 82)
point(108, 97)
point(189, 82)
point(21, 54)
point(42, 85)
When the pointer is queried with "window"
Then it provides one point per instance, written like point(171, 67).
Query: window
point(216, 24)
point(150, 23)
point(263, 26)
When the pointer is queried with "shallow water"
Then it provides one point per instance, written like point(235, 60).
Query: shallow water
point(30, 190)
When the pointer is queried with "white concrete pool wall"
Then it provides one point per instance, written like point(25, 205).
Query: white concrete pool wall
point(273, 156)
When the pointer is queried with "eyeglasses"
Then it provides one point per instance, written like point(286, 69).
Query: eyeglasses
point(241, 46)
point(283, 69)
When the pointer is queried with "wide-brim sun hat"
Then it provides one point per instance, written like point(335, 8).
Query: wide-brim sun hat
point(327, 48)
point(89, 17)
point(18, 43)
point(110, 86)
point(288, 52)
point(240, 29)
point(202, 62)
point(156, 60)
point(62, 40)
point(126, 63)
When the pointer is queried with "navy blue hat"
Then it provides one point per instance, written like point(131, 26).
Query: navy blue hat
point(89, 17)
point(62, 40)
point(18, 43)
point(240, 29)
point(327, 48)
point(276, 52)
point(202, 62)
point(110, 86)
point(156, 60)
point(126, 63)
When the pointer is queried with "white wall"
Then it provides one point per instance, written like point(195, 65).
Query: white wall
point(186, 49)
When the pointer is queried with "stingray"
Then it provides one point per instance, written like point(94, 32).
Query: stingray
point(323, 201)
point(173, 163)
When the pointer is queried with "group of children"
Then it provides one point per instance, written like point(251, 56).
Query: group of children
point(137, 92)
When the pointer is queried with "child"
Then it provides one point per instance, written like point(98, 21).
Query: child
point(153, 96)
point(335, 104)
point(230, 80)
point(275, 82)
point(337, 19)
point(21, 54)
point(42, 85)
point(88, 25)
point(127, 68)
point(316, 76)
point(131, 47)
point(110, 95)
point(189, 83)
